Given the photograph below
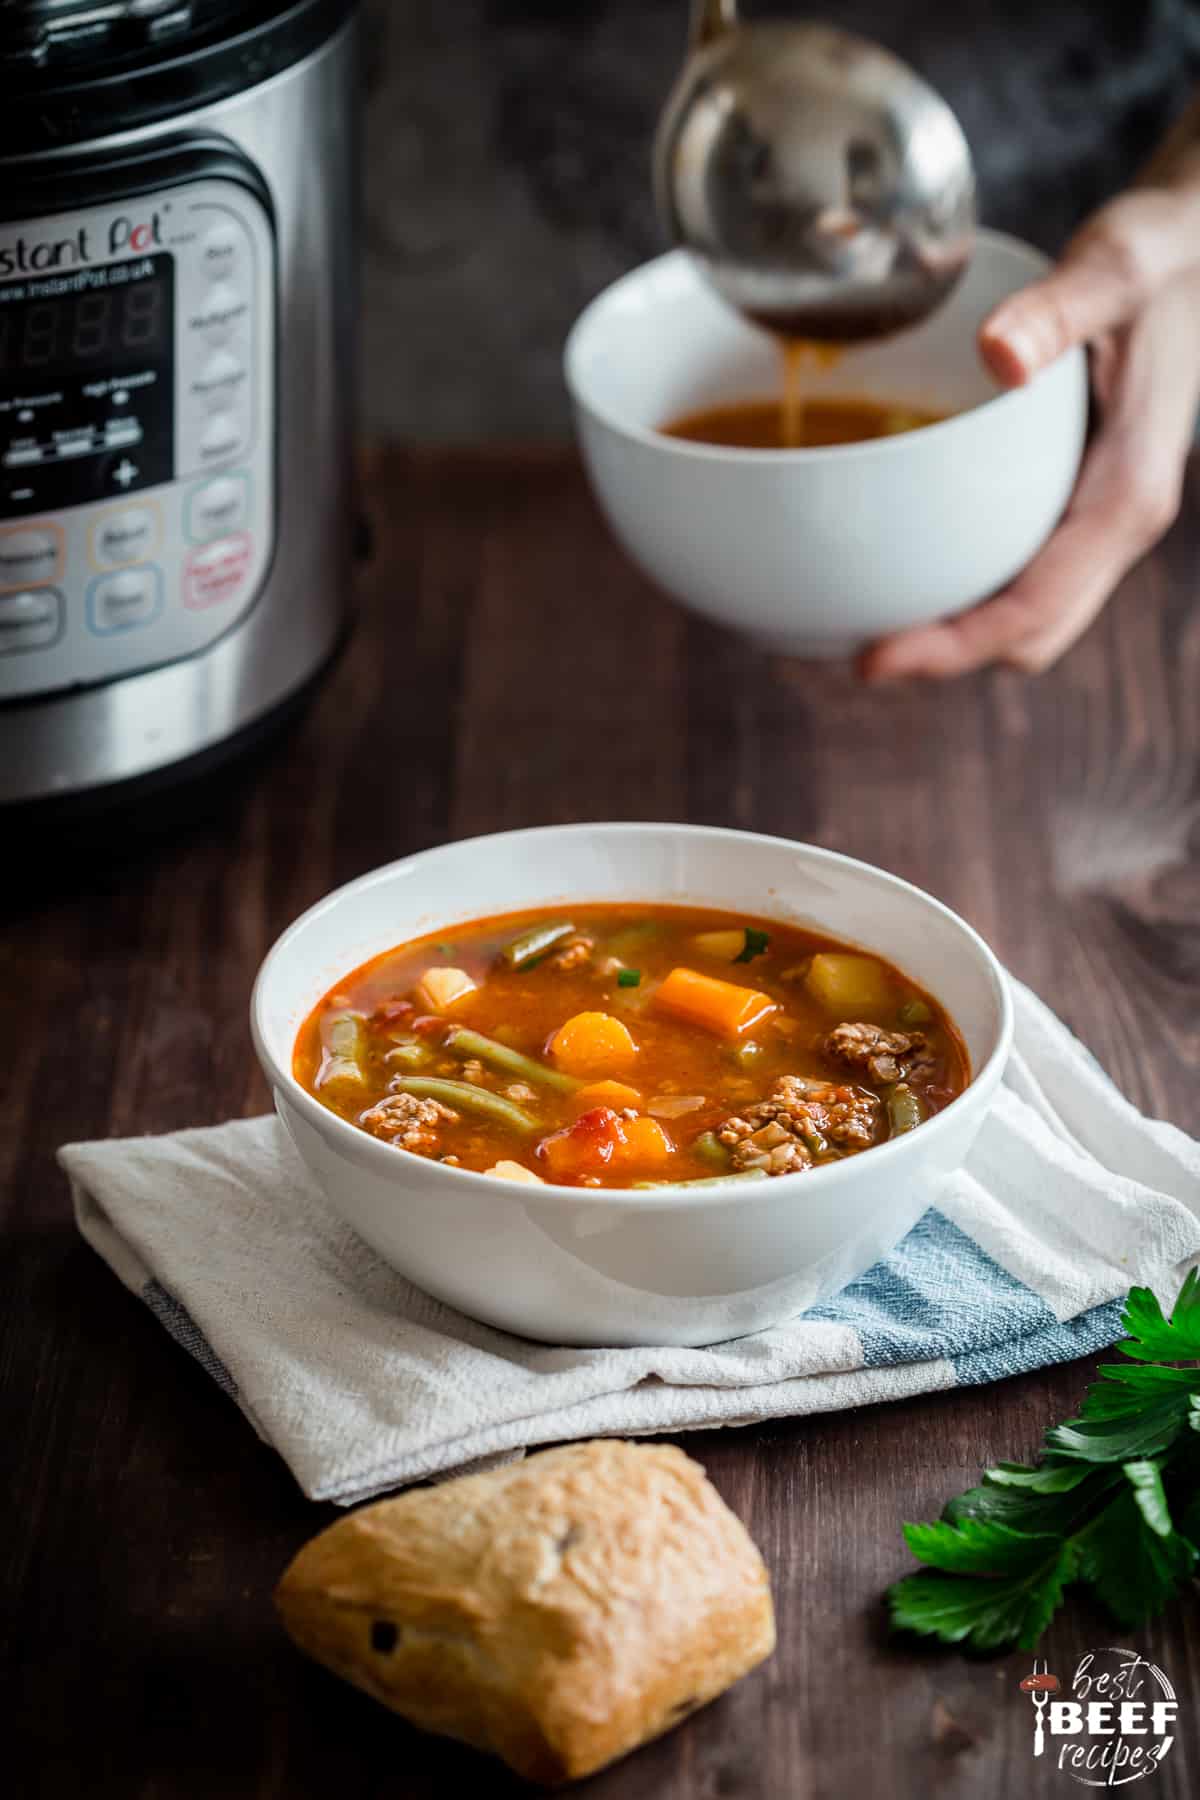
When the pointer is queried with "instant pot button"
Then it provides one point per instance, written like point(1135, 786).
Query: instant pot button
point(124, 537)
point(218, 507)
point(126, 600)
point(221, 251)
point(219, 573)
point(217, 384)
point(219, 314)
point(30, 620)
point(30, 554)
point(223, 437)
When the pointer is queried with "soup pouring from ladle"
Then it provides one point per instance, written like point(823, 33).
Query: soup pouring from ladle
point(826, 190)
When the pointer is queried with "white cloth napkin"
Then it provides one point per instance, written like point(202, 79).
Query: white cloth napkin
point(362, 1382)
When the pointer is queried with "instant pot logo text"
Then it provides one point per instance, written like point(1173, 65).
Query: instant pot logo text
point(1118, 1724)
point(127, 235)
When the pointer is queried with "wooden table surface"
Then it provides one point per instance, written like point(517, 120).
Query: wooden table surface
point(509, 668)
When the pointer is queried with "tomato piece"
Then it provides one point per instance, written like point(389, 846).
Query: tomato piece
point(584, 1147)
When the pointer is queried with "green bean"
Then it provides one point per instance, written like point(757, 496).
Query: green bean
point(707, 1180)
point(465, 1043)
point(344, 1046)
point(709, 1147)
point(470, 1099)
point(915, 1012)
point(535, 942)
point(904, 1109)
point(747, 1055)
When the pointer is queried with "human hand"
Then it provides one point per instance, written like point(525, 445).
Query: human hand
point(1128, 285)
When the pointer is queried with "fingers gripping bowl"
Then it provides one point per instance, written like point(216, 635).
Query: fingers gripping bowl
point(604, 1265)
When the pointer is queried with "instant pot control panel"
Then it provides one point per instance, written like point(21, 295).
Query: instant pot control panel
point(137, 428)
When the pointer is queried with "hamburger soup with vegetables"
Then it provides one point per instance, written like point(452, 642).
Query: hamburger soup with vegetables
point(630, 1046)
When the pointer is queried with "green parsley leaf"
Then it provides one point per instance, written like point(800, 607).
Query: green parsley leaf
point(979, 1547)
point(1135, 1567)
point(1146, 1431)
point(1100, 1505)
point(1027, 1510)
point(755, 945)
point(985, 1614)
point(1155, 1339)
point(628, 978)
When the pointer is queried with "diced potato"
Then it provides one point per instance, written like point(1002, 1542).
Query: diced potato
point(515, 1171)
point(440, 988)
point(593, 1045)
point(849, 986)
point(726, 946)
point(719, 1006)
point(605, 1093)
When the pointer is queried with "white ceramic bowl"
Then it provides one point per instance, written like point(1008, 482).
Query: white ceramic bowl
point(600, 1266)
point(819, 551)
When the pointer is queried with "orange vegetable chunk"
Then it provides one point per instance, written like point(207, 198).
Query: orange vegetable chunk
point(646, 1146)
point(605, 1093)
point(719, 1006)
point(593, 1045)
point(583, 1148)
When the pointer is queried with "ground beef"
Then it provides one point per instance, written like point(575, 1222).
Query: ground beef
point(411, 1123)
point(573, 952)
point(800, 1120)
point(884, 1056)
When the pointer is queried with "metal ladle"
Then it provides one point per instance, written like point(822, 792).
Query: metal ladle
point(825, 189)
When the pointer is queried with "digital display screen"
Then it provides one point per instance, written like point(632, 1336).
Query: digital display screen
point(98, 327)
point(87, 383)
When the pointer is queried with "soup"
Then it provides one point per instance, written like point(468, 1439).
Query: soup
point(800, 419)
point(789, 424)
point(630, 1046)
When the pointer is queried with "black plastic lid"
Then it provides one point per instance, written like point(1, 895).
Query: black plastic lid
point(72, 70)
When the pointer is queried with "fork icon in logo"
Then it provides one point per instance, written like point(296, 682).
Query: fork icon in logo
point(1039, 1686)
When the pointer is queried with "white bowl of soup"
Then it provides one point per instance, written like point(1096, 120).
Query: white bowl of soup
point(621, 1083)
point(821, 550)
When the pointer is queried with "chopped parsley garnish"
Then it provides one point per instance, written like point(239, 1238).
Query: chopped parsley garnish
point(755, 945)
point(1113, 1501)
point(628, 977)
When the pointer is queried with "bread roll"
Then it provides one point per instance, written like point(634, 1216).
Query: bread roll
point(558, 1612)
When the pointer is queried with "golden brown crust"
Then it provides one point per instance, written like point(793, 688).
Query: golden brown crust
point(558, 1612)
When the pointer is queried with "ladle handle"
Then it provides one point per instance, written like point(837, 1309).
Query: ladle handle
point(711, 19)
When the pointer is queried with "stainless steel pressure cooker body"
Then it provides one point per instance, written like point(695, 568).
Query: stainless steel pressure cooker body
point(177, 296)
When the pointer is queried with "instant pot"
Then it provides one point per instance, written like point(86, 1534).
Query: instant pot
point(177, 299)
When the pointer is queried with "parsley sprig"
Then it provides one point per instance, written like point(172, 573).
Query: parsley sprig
point(1113, 1501)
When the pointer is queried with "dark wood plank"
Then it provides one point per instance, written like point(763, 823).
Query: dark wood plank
point(510, 668)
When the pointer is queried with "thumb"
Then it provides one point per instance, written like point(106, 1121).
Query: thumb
point(1109, 270)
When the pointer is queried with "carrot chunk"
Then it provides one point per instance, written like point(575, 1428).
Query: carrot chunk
point(645, 1145)
point(719, 1006)
point(593, 1045)
point(605, 1093)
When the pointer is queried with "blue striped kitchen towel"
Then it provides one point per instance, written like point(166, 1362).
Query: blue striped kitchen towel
point(362, 1382)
